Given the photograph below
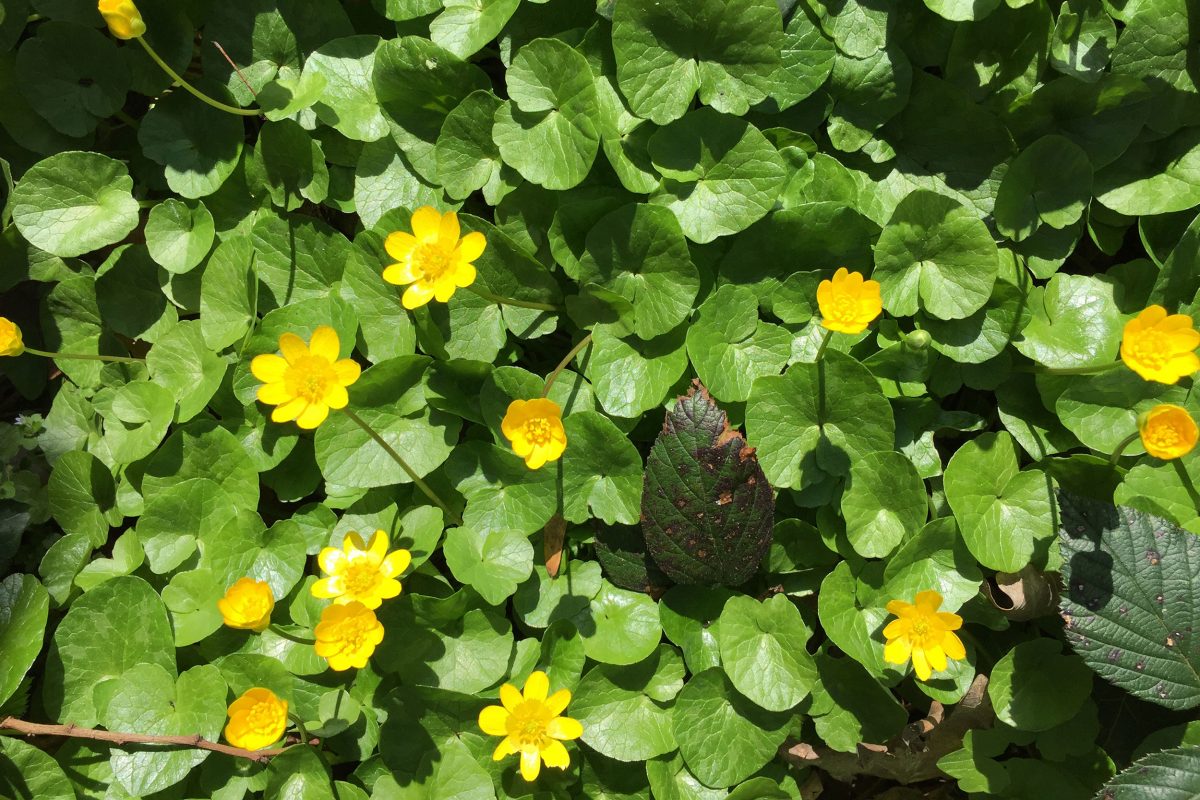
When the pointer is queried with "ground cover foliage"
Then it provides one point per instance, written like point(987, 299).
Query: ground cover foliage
point(807, 537)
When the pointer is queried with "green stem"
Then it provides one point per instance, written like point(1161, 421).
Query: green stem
point(84, 356)
point(304, 737)
point(1120, 448)
point(508, 301)
point(416, 479)
point(1092, 370)
point(175, 76)
point(1186, 480)
point(584, 342)
point(128, 120)
point(291, 637)
point(826, 335)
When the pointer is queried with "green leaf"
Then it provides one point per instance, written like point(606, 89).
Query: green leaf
point(547, 131)
point(73, 203)
point(147, 699)
point(466, 655)
point(1102, 410)
point(631, 376)
point(347, 102)
point(883, 504)
point(348, 456)
point(691, 619)
point(179, 234)
point(868, 92)
point(638, 251)
point(501, 491)
point(707, 509)
point(985, 334)
point(853, 616)
point(27, 772)
point(1153, 177)
point(197, 145)
point(289, 164)
point(936, 558)
point(730, 346)
point(1167, 775)
point(182, 363)
point(295, 258)
point(1034, 687)
point(1131, 582)
point(806, 58)
point(850, 707)
point(962, 10)
point(228, 294)
point(465, 26)
point(937, 255)
point(720, 174)
point(192, 597)
point(1075, 323)
point(668, 51)
point(24, 605)
point(671, 780)
point(1049, 182)
point(72, 76)
point(812, 422)
point(81, 491)
point(763, 651)
point(467, 157)
point(493, 562)
point(243, 546)
point(722, 736)
point(127, 556)
point(858, 28)
point(625, 711)
point(384, 179)
point(619, 627)
point(97, 642)
point(1006, 515)
point(542, 600)
point(602, 471)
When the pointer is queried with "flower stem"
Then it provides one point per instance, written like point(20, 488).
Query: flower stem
point(508, 301)
point(83, 356)
point(1092, 370)
point(128, 120)
point(584, 342)
point(217, 104)
point(291, 637)
point(1120, 448)
point(416, 479)
point(826, 335)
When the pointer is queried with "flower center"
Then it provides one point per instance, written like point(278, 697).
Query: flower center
point(432, 260)
point(1150, 348)
point(1164, 436)
point(538, 431)
point(920, 632)
point(251, 606)
point(360, 576)
point(264, 717)
point(310, 378)
point(352, 633)
point(527, 724)
point(844, 307)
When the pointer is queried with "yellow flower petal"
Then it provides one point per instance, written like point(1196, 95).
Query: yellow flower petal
point(564, 728)
point(555, 755)
point(558, 701)
point(274, 394)
point(400, 245)
point(329, 559)
point(333, 586)
point(448, 230)
point(505, 748)
point(936, 657)
point(897, 651)
point(426, 223)
point(531, 765)
point(952, 622)
point(510, 696)
point(401, 273)
point(293, 348)
point(537, 685)
point(268, 367)
point(493, 720)
point(921, 664)
point(928, 601)
point(954, 647)
point(325, 343)
point(312, 416)
point(337, 397)
point(464, 275)
point(471, 246)
point(897, 627)
point(346, 371)
point(416, 296)
point(394, 565)
point(286, 412)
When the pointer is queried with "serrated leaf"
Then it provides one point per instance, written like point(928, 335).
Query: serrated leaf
point(1132, 599)
point(1167, 775)
point(707, 509)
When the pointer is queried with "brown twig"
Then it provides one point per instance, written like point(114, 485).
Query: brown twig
point(235, 68)
point(121, 739)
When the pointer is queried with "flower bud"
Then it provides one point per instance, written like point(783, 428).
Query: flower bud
point(11, 343)
point(917, 340)
point(123, 18)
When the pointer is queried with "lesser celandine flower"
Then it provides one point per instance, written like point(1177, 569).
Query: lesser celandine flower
point(531, 725)
point(347, 635)
point(1168, 431)
point(1160, 347)
point(307, 380)
point(247, 604)
point(257, 719)
point(123, 18)
point(848, 303)
point(922, 633)
point(536, 430)
point(11, 343)
point(432, 260)
point(363, 572)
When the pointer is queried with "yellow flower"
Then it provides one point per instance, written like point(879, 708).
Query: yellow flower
point(848, 303)
point(11, 343)
point(1160, 347)
point(531, 725)
point(1168, 431)
point(307, 380)
point(363, 572)
point(924, 633)
point(432, 258)
point(247, 604)
point(257, 719)
point(123, 18)
point(347, 635)
point(535, 429)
